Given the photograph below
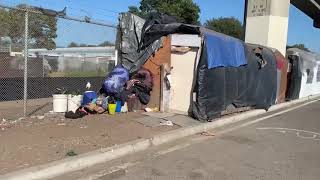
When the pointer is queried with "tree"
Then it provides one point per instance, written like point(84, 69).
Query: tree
point(299, 46)
point(73, 44)
point(42, 28)
point(228, 25)
point(186, 11)
point(106, 43)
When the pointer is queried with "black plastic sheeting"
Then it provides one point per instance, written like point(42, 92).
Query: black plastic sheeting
point(159, 25)
point(128, 39)
point(244, 86)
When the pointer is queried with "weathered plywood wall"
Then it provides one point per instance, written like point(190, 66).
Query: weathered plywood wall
point(163, 56)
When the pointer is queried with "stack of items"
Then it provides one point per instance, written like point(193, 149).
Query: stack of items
point(135, 92)
point(119, 93)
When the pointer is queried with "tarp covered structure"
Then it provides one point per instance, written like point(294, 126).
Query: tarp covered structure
point(249, 85)
point(302, 78)
point(230, 72)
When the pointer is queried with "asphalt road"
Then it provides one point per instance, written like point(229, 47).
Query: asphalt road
point(286, 146)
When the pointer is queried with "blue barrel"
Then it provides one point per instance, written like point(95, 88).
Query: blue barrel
point(88, 97)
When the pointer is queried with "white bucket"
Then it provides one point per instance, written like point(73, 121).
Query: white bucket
point(60, 103)
point(74, 102)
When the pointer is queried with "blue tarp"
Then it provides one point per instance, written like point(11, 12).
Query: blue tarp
point(224, 51)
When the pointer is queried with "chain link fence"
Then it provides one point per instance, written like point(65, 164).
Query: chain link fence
point(40, 53)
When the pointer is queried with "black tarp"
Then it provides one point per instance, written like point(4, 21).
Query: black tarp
point(159, 25)
point(128, 39)
point(248, 85)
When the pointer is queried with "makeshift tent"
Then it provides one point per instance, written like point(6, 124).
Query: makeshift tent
point(282, 73)
point(302, 78)
point(249, 85)
point(228, 71)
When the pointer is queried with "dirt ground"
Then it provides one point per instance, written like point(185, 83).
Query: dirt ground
point(35, 141)
point(12, 110)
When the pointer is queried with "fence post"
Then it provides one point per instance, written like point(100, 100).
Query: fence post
point(116, 57)
point(25, 87)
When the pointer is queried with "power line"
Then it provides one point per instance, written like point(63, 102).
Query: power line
point(54, 13)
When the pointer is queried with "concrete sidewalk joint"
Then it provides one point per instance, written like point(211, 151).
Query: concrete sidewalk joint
point(68, 165)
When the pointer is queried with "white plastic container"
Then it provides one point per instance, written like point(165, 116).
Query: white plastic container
point(74, 102)
point(60, 103)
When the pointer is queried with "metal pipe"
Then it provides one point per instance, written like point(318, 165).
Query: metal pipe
point(25, 87)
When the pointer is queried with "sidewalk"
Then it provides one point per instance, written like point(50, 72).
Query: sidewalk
point(36, 141)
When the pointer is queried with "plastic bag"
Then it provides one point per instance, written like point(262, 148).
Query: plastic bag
point(116, 80)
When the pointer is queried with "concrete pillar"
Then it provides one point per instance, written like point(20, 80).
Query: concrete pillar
point(267, 23)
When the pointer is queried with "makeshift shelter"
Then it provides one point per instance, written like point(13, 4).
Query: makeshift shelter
point(249, 85)
point(207, 72)
point(303, 73)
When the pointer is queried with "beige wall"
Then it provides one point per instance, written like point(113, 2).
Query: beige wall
point(267, 23)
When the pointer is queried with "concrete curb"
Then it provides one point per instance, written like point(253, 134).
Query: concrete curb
point(68, 165)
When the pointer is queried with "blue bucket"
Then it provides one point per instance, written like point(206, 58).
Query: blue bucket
point(88, 96)
point(118, 108)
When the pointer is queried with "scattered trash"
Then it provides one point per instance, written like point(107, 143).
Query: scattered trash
point(61, 124)
point(148, 109)
point(71, 153)
point(40, 117)
point(4, 124)
point(80, 113)
point(83, 127)
point(13, 122)
point(166, 123)
point(74, 102)
point(22, 118)
point(207, 134)
point(151, 109)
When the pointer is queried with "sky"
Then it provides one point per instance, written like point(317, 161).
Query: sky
point(301, 30)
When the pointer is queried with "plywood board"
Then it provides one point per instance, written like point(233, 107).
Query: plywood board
point(182, 75)
point(153, 64)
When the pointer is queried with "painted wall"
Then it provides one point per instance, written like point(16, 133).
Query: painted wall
point(313, 88)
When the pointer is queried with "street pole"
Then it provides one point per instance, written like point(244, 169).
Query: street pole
point(25, 88)
point(245, 19)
